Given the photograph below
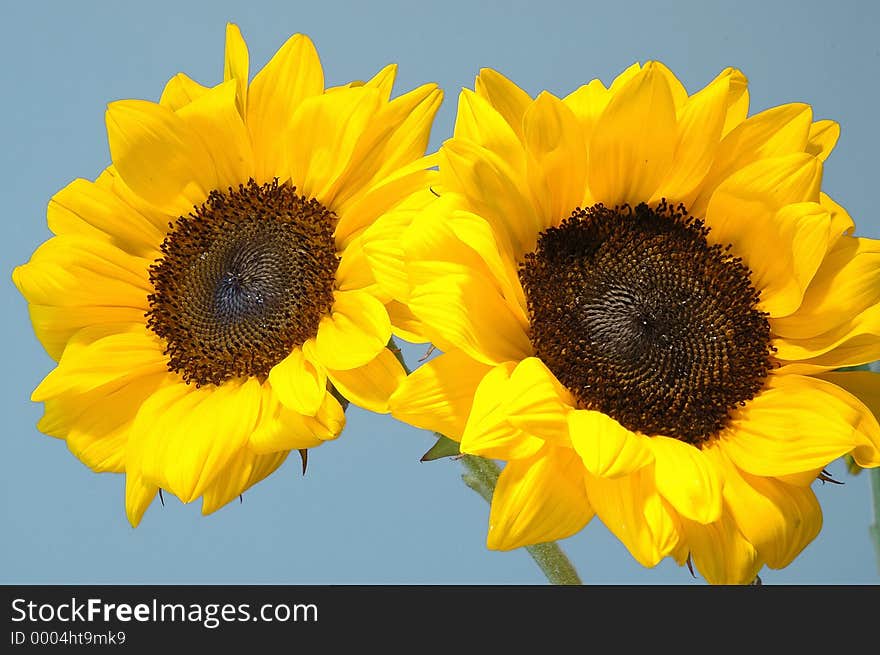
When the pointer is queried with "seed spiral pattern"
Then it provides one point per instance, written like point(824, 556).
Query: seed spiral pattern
point(242, 280)
point(642, 319)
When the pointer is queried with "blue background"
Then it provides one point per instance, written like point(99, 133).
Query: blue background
point(368, 511)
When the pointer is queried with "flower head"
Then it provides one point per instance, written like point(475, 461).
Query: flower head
point(207, 298)
point(641, 296)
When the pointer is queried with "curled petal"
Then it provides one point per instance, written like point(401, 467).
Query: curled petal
point(537, 500)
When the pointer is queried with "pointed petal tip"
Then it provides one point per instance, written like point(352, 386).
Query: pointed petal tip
point(134, 516)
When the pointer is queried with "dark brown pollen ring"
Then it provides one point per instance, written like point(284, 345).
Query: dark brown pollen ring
point(642, 319)
point(242, 280)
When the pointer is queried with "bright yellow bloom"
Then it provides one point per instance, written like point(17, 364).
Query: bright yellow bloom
point(207, 298)
point(640, 296)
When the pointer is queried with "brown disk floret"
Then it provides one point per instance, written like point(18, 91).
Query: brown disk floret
point(642, 319)
point(242, 280)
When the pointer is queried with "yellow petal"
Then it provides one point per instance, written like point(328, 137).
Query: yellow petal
point(700, 121)
point(282, 429)
point(354, 333)
point(771, 183)
point(324, 132)
point(635, 513)
point(720, 552)
point(587, 103)
point(778, 519)
point(737, 100)
point(495, 190)
point(396, 136)
point(516, 409)
point(842, 221)
point(764, 211)
point(110, 180)
point(809, 356)
point(159, 156)
point(479, 122)
point(89, 363)
point(853, 344)
point(293, 74)
point(799, 424)
point(180, 91)
point(804, 235)
point(61, 413)
point(822, 138)
point(676, 88)
point(623, 78)
point(606, 447)
point(371, 385)
point(557, 158)
point(446, 238)
point(87, 209)
point(243, 471)
point(383, 249)
point(462, 310)
point(214, 116)
point(236, 66)
point(72, 270)
point(54, 326)
point(383, 81)
point(633, 141)
point(393, 203)
point(138, 495)
point(687, 479)
point(299, 384)
point(772, 133)
point(537, 403)
point(183, 436)
point(438, 395)
point(506, 97)
point(404, 323)
point(476, 233)
point(864, 385)
point(105, 454)
point(72, 282)
point(446, 232)
point(99, 434)
point(537, 500)
point(488, 432)
point(802, 479)
point(861, 391)
point(783, 250)
point(845, 286)
point(354, 272)
point(837, 349)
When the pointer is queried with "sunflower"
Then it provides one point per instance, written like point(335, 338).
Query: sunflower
point(206, 298)
point(640, 296)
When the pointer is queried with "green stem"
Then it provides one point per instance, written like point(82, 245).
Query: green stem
point(875, 529)
point(481, 475)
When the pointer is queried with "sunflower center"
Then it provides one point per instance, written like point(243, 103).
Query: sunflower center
point(242, 280)
point(643, 320)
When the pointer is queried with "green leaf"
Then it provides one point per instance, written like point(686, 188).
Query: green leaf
point(445, 447)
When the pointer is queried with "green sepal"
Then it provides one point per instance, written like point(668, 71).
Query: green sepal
point(444, 447)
